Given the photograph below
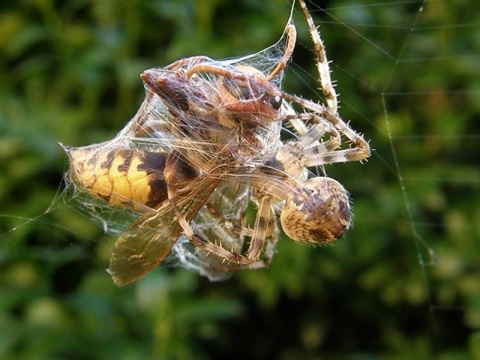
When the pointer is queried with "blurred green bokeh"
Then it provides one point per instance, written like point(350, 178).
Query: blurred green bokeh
point(403, 284)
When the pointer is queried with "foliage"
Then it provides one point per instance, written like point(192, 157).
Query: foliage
point(402, 284)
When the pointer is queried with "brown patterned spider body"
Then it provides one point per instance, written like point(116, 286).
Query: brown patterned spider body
point(203, 146)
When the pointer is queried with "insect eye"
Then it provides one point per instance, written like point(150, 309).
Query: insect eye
point(276, 102)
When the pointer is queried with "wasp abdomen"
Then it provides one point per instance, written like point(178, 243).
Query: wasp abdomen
point(128, 178)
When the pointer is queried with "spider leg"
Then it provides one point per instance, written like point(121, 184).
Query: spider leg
point(229, 225)
point(263, 235)
point(263, 228)
point(291, 32)
point(263, 224)
point(214, 69)
point(200, 242)
point(322, 61)
point(313, 152)
point(188, 62)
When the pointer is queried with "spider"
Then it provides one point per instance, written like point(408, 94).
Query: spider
point(205, 143)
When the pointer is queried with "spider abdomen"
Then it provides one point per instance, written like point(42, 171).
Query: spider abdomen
point(318, 213)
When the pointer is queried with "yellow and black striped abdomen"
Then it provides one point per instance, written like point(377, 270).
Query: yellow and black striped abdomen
point(129, 178)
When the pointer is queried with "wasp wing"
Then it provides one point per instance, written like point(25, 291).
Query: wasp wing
point(143, 245)
point(149, 239)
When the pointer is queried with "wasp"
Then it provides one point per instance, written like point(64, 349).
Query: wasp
point(207, 143)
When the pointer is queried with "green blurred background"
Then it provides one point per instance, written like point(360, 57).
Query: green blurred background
point(403, 283)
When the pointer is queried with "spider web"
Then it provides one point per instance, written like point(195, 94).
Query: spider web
point(415, 95)
point(425, 90)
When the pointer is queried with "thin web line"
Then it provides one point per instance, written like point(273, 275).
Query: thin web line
point(418, 240)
